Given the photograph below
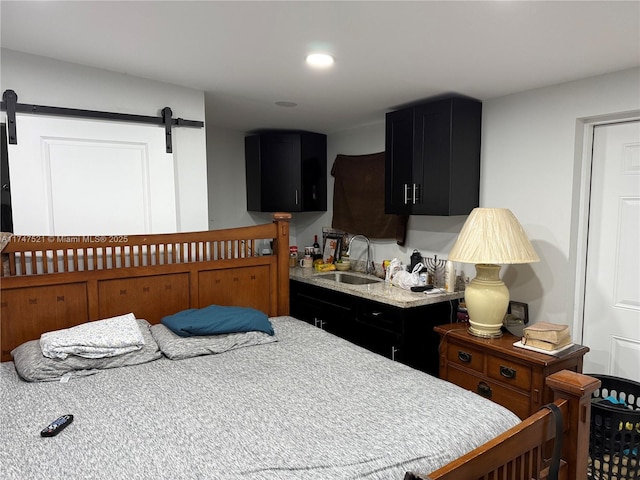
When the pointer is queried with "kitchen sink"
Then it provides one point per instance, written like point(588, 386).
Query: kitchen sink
point(350, 279)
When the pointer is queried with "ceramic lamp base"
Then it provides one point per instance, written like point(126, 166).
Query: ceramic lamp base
point(487, 299)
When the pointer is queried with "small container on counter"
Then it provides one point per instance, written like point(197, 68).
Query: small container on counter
point(293, 256)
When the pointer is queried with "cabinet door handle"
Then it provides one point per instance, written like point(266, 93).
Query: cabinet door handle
point(393, 353)
point(507, 372)
point(406, 193)
point(484, 390)
point(376, 314)
point(296, 196)
point(464, 356)
point(318, 322)
point(416, 193)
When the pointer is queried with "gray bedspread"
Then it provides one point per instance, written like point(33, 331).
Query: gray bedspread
point(309, 406)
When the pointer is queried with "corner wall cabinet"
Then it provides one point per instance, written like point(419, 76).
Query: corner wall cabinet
point(403, 334)
point(432, 158)
point(286, 171)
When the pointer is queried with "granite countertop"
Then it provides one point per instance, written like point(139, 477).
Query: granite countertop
point(380, 291)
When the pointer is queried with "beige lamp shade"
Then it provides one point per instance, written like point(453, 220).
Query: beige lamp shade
point(493, 235)
point(490, 237)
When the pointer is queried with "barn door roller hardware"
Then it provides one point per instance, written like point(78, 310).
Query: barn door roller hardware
point(10, 105)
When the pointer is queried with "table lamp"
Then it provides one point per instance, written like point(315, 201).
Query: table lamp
point(489, 238)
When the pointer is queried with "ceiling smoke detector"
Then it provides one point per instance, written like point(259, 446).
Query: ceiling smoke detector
point(285, 103)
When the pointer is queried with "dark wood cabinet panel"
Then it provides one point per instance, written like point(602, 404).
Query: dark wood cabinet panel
point(286, 171)
point(399, 161)
point(432, 159)
point(331, 311)
point(402, 334)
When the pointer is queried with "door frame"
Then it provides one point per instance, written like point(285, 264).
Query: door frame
point(580, 208)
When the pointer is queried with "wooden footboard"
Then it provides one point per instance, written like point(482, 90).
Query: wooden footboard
point(49, 283)
point(523, 452)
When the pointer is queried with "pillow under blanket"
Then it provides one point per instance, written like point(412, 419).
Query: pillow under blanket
point(217, 320)
point(109, 337)
point(176, 347)
point(33, 366)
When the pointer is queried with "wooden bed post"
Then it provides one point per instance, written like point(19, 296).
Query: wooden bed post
point(576, 389)
point(506, 453)
point(281, 249)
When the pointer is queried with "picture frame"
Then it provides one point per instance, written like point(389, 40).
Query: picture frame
point(335, 233)
point(519, 310)
point(331, 251)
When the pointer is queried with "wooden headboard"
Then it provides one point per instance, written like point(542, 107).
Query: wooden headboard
point(49, 283)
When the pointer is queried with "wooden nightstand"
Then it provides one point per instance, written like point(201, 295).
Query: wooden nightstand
point(494, 368)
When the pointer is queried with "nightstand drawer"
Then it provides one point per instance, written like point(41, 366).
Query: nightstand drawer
point(509, 373)
point(466, 356)
point(518, 403)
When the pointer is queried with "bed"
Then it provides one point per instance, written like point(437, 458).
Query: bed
point(300, 403)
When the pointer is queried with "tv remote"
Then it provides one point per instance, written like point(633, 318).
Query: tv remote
point(57, 426)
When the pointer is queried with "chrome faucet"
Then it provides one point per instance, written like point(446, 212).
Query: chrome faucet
point(367, 268)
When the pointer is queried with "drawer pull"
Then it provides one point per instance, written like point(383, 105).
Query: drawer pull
point(507, 372)
point(484, 390)
point(464, 356)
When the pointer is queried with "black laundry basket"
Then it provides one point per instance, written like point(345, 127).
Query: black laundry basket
point(614, 439)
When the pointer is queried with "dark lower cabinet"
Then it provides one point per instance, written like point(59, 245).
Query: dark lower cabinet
point(325, 309)
point(403, 334)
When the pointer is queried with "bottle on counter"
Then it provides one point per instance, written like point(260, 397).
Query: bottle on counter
point(316, 248)
point(449, 277)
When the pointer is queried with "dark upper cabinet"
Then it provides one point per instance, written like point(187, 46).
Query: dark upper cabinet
point(286, 171)
point(432, 159)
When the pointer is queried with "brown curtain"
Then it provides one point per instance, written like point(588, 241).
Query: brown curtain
point(358, 198)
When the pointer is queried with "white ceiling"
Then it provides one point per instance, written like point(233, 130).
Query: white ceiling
point(248, 55)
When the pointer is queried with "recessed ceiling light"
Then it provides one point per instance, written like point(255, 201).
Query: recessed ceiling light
point(320, 60)
point(284, 103)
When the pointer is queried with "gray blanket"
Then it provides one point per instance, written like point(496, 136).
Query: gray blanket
point(309, 406)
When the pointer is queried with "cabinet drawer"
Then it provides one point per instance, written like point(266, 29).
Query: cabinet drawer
point(509, 373)
point(517, 402)
point(382, 317)
point(466, 356)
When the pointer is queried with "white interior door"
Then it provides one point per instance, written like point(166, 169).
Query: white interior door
point(89, 177)
point(611, 326)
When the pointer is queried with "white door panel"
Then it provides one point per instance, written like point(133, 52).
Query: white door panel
point(123, 187)
point(612, 286)
point(88, 177)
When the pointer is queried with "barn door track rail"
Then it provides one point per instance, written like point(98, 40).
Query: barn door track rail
point(10, 105)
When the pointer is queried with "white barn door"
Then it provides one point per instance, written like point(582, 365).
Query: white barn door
point(90, 177)
point(611, 326)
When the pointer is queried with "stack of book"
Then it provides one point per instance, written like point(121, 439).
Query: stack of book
point(547, 337)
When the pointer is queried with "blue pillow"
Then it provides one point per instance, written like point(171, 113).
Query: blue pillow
point(216, 320)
